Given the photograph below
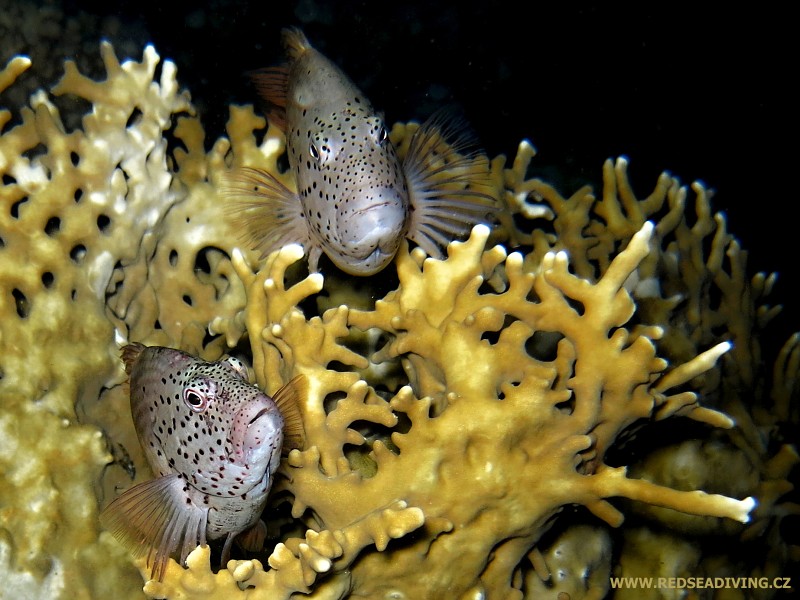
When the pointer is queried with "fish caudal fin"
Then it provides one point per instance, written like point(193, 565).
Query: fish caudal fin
point(288, 400)
point(269, 213)
point(130, 354)
point(449, 182)
point(158, 518)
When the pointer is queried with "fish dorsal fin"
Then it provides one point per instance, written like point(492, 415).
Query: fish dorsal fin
point(271, 83)
point(450, 185)
point(295, 42)
point(130, 354)
point(269, 214)
point(157, 517)
point(288, 400)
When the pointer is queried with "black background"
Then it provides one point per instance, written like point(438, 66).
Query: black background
point(701, 93)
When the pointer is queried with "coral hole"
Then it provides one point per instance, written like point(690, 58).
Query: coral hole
point(32, 153)
point(331, 400)
point(22, 303)
point(15, 207)
point(576, 305)
point(78, 253)
point(103, 223)
point(543, 345)
point(136, 116)
point(53, 226)
point(494, 336)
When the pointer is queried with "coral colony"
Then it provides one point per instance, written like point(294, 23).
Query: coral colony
point(466, 432)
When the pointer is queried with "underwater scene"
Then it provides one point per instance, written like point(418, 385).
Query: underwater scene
point(396, 301)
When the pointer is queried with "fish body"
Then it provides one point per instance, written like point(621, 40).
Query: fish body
point(356, 200)
point(214, 442)
point(349, 178)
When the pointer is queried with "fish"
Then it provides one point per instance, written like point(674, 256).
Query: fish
point(213, 441)
point(356, 201)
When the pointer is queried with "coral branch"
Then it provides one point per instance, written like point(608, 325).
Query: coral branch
point(612, 482)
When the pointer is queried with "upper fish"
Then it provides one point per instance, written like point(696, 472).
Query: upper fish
point(213, 441)
point(356, 200)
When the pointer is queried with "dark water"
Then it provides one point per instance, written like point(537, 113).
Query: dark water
point(701, 93)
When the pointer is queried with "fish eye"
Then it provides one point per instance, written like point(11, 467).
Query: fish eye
point(382, 135)
point(237, 366)
point(196, 400)
point(312, 150)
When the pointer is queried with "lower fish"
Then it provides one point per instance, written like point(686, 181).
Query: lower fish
point(356, 200)
point(214, 442)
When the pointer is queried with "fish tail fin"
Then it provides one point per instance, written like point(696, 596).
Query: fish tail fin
point(157, 518)
point(130, 354)
point(295, 42)
point(271, 84)
point(450, 183)
point(288, 400)
point(266, 211)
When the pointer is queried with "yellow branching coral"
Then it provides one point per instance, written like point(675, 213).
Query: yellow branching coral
point(456, 425)
point(517, 473)
point(74, 204)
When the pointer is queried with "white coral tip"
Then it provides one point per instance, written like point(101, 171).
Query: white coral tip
point(480, 230)
point(645, 233)
point(317, 280)
point(748, 504)
point(293, 250)
point(561, 258)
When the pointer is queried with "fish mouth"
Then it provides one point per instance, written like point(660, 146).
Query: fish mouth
point(371, 207)
point(367, 265)
point(256, 427)
point(377, 255)
point(380, 227)
point(368, 237)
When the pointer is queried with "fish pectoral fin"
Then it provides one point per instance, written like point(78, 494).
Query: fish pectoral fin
point(450, 183)
point(269, 213)
point(288, 400)
point(157, 517)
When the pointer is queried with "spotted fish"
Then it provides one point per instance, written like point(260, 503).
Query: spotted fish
point(355, 199)
point(213, 441)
